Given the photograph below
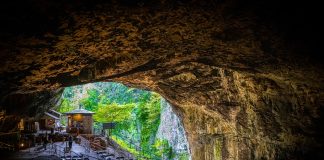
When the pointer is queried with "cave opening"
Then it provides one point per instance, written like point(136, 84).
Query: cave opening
point(141, 121)
point(132, 123)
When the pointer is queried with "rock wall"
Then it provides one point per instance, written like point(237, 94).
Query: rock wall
point(254, 119)
point(171, 129)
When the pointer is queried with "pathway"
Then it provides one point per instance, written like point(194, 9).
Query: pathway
point(57, 149)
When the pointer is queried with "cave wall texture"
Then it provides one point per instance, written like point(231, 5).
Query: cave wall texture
point(246, 78)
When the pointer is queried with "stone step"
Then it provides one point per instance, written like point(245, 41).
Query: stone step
point(69, 158)
point(105, 155)
point(100, 152)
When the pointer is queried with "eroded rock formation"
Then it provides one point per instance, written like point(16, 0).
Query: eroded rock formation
point(243, 88)
point(171, 129)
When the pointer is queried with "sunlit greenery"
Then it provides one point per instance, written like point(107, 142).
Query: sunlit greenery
point(163, 149)
point(126, 146)
point(65, 106)
point(136, 112)
point(113, 112)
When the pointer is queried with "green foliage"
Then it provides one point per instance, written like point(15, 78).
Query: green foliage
point(91, 102)
point(113, 112)
point(65, 106)
point(162, 148)
point(148, 116)
point(218, 149)
point(125, 146)
point(68, 93)
point(137, 113)
point(184, 156)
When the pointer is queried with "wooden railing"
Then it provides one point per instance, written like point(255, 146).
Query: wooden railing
point(92, 143)
point(144, 154)
point(7, 146)
point(68, 154)
point(9, 140)
point(86, 143)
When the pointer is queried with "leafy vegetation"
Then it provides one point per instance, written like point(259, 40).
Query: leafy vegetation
point(65, 106)
point(113, 112)
point(148, 116)
point(136, 112)
point(163, 149)
point(125, 145)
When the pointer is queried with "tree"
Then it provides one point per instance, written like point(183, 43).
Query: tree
point(65, 106)
point(113, 112)
point(91, 102)
point(149, 118)
point(136, 111)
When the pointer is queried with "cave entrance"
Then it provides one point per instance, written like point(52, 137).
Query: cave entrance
point(140, 121)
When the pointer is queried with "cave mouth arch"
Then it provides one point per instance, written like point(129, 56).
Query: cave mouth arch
point(137, 113)
point(218, 110)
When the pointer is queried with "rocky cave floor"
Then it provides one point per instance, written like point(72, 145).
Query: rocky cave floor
point(38, 152)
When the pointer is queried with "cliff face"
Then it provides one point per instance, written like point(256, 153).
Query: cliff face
point(242, 88)
point(171, 129)
point(252, 118)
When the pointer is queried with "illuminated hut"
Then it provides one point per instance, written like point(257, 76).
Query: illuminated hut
point(79, 121)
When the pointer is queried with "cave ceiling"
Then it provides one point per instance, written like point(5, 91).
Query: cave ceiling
point(179, 46)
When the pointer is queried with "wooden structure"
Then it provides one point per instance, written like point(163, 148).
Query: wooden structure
point(50, 120)
point(79, 121)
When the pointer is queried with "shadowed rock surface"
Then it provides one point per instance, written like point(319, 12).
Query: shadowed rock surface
point(246, 78)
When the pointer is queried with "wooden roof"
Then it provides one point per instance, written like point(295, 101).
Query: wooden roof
point(51, 115)
point(79, 111)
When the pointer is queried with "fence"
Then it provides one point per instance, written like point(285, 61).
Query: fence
point(143, 154)
point(9, 140)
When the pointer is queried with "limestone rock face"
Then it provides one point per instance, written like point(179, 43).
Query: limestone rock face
point(242, 85)
point(171, 129)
